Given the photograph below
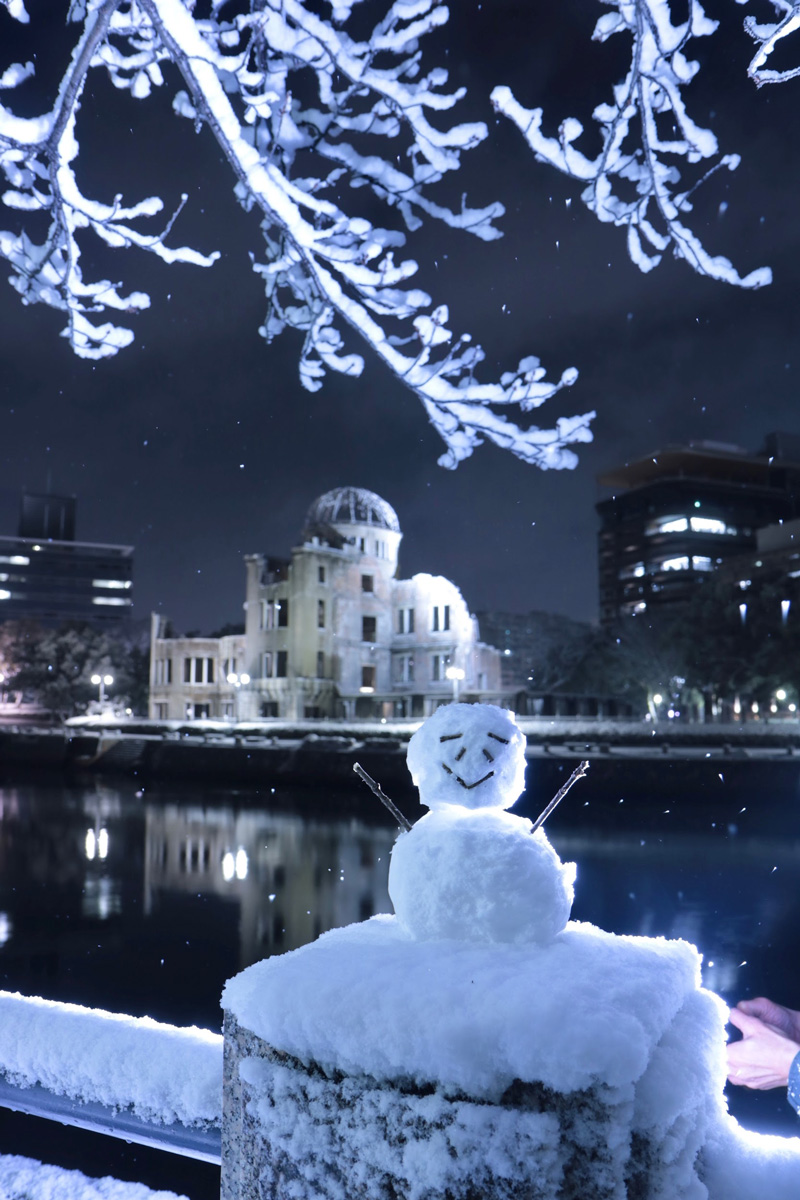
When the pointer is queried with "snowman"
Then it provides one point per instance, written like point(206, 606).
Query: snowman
point(468, 869)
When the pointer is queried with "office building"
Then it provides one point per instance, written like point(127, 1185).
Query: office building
point(683, 511)
point(47, 576)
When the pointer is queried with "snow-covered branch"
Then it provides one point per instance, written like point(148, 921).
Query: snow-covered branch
point(634, 181)
point(768, 37)
point(368, 117)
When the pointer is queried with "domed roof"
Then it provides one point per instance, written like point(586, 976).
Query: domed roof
point(352, 506)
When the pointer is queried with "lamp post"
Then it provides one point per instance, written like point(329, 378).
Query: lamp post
point(101, 682)
point(237, 682)
point(455, 674)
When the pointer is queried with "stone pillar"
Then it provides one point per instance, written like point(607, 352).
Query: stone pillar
point(289, 1129)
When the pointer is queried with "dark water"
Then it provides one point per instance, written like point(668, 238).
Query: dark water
point(147, 902)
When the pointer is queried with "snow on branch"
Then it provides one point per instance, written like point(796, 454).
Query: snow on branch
point(768, 37)
point(634, 180)
point(305, 115)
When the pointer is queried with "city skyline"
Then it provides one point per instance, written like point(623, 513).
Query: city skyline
point(197, 444)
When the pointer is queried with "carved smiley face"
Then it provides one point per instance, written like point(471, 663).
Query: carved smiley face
point(468, 754)
point(466, 759)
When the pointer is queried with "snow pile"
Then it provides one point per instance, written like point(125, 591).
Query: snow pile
point(472, 1018)
point(27, 1179)
point(161, 1072)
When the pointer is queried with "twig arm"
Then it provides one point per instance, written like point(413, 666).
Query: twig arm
point(577, 774)
point(402, 821)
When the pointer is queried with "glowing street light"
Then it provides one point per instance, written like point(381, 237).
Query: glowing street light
point(237, 681)
point(455, 675)
point(102, 682)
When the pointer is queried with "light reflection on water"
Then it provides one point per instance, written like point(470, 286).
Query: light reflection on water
point(148, 905)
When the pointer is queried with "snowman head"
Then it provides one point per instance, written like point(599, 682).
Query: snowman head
point(468, 754)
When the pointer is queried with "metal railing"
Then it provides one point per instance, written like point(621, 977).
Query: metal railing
point(36, 1101)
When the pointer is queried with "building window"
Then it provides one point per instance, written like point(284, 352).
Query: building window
point(369, 629)
point(368, 678)
point(439, 665)
point(320, 664)
point(320, 574)
point(282, 607)
point(405, 620)
point(680, 563)
point(362, 545)
point(695, 524)
point(163, 672)
point(162, 711)
point(441, 618)
point(368, 583)
point(320, 614)
point(228, 710)
point(380, 548)
point(198, 670)
point(281, 664)
point(404, 668)
point(268, 664)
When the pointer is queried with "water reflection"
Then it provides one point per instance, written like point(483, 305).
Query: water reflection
point(290, 877)
point(148, 904)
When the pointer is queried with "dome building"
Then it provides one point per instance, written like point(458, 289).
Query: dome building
point(332, 632)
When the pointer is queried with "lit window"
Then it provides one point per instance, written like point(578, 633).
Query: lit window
point(701, 562)
point(676, 564)
point(668, 525)
point(710, 525)
point(18, 560)
point(4, 595)
point(117, 600)
point(634, 571)
point(112, 583)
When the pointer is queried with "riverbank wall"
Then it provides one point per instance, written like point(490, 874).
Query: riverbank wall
point(718, 773)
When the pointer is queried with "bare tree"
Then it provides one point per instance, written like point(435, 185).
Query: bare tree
point(300, 108)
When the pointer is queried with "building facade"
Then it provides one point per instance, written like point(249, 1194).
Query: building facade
point(331, 631)
point(684, 511)
point(49, 577)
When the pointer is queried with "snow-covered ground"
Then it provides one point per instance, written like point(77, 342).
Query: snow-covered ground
point(27, 1179)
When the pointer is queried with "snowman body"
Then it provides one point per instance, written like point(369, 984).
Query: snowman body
point(468, 869)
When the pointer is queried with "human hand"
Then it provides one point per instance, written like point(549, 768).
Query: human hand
point(764, 1055)
point(783, 1020)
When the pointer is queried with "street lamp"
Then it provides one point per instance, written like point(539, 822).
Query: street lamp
point(237, 681)
point(455, 674)
point(102, 682)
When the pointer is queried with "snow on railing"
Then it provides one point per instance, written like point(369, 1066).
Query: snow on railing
point(131, 1077)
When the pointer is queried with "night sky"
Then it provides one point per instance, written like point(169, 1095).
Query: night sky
point(198, 445)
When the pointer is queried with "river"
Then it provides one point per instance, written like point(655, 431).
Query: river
point(146, 901)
